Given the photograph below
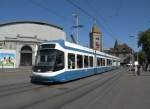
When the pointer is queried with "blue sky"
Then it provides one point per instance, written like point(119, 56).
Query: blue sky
point(117, 19)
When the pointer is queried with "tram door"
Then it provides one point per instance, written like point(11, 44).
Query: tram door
point(26, 56)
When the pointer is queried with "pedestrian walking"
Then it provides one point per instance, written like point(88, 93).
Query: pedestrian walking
point(135, 69)
point(138, 70)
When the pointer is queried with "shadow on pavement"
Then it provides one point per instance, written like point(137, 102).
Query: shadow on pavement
point(141, 74)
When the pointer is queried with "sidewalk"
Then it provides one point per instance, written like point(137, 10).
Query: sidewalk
point(14, 70)
point(12, 76)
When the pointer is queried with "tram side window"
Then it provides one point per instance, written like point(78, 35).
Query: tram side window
point(71, 61)
point(98, 61)
point(86, 62)
point(103, 62)
point(79, 61)
point(109, 62)
point(91, 61)
point(114, 63)
point(59, 64)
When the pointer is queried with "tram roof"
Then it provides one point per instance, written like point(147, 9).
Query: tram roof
point(74, 46)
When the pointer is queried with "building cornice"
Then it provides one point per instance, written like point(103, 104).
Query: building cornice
point(30, 22)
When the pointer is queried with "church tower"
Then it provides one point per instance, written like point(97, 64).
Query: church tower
point(96, 38)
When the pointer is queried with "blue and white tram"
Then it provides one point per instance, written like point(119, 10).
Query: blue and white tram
point(61, 61)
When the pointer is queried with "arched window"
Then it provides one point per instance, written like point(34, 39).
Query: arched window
point(26, 56)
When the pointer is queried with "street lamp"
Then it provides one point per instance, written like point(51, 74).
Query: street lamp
point(137, 52)
point(77, 26)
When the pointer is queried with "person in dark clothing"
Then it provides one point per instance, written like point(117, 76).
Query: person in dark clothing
point(138, 70)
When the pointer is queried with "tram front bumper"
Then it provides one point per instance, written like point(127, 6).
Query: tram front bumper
point(45, 79)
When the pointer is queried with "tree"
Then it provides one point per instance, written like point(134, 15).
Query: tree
point(141, 57)
point(144, 42)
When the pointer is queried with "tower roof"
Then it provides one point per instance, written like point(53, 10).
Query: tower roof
point(116, 44)
point(95, 29)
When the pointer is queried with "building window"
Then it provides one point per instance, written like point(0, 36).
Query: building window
point(71, 61)
point(10, 47)
point(1, 45)
point(79, 61)
point(124, 55)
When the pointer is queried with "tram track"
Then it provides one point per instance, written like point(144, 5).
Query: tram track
point(12, 89)
point(13, 86)
point(98, 93)
point(84, 91)
point(79, 94)
point(20, 89)
point(79, 91)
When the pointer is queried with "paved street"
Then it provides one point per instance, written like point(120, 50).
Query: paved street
point(12, 76)
point(118, 89)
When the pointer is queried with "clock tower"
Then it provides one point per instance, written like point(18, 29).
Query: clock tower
point(96, 38)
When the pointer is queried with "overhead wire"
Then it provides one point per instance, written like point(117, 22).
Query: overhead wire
point(91, 16)
point(117, 11)
point(109, 31)
point(106, 26)
point(81, 9)
point(48, 10)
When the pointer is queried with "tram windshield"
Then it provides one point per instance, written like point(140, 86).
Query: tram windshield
point(49, 60)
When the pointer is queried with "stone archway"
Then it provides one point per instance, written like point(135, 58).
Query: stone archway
point(26, 56)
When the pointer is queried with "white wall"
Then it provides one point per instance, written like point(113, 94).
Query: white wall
point(44, 32)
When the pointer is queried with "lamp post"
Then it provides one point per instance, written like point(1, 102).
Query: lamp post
point(132, 52)
point(131, 56)
point(77, 26)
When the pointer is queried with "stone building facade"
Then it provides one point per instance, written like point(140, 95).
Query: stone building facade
point(25, 36)
point(123, 51)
